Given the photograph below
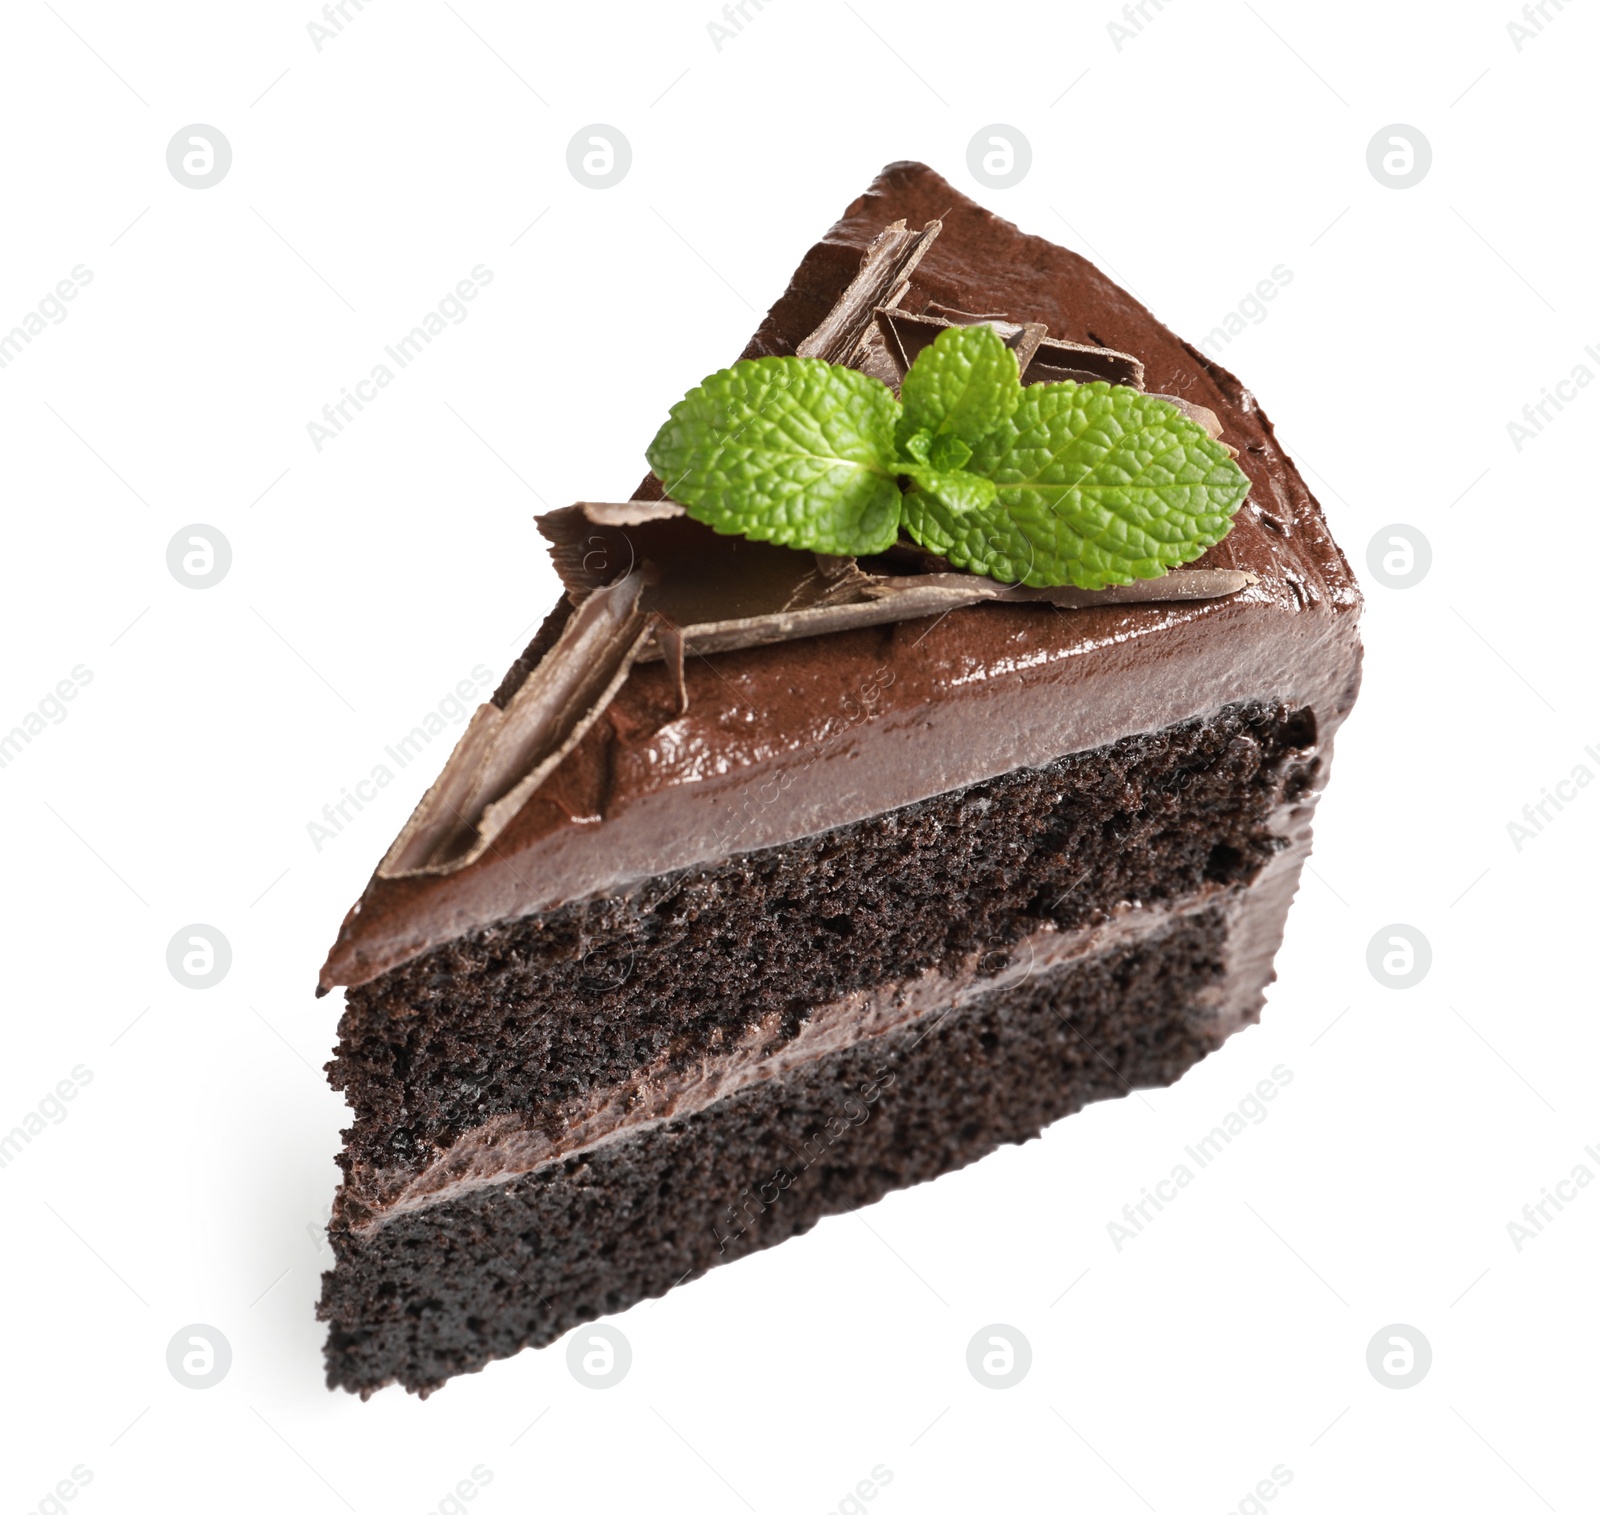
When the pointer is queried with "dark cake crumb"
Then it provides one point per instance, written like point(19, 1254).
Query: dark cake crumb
point(525, 1015)
point(446, 1290)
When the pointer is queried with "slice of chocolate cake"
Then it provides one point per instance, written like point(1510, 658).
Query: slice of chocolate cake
point(772, 881)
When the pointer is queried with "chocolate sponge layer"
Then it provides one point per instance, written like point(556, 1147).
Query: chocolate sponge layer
point(446, 1290)
point(530, 1016)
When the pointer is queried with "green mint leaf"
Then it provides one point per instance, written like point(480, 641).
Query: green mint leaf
point(957, 491)
point(963, 384)
point(1096, 484)
point(788, 450)
point(917, 446)
point(949, 452)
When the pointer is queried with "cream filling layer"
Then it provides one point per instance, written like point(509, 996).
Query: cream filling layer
point(510, 1146)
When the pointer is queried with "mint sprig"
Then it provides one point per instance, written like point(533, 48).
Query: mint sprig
point(1084, 484)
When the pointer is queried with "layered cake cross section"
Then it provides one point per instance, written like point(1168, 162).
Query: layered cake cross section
point(769, 883)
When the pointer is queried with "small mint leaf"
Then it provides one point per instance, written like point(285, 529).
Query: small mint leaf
point(949, 452)
point(788, 450)
point(1096, 484)
point(963, 384)
point(956, 490)
point(917, 445)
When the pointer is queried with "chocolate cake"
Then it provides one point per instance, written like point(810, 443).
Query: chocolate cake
point(768, 883)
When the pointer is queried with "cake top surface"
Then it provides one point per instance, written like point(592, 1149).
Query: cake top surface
point(756, 746)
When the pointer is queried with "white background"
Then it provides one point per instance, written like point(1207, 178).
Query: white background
point(189, 1178)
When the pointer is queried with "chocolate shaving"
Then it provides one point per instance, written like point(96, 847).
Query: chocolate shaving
point(586, 549)
point(1057, 360)
point(637, 512)
point(1202, 417)
point(833, 581)
point(962, 317)
point(1041, 359)
point(883, 279)
point(723, 592)
point(906, 335)
point(670, 640)
point(507, 754)
point(906, 597)
point(873, 358)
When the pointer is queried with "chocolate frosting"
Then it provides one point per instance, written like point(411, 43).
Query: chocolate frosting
point(783, 741)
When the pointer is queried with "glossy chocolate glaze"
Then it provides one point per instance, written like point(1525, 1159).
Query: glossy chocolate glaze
point(785, 741)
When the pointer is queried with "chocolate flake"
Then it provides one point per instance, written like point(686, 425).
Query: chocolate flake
point(1058, 360)
point(637, 512)
point(1041, 359)
point(906, 335)
point(883, 279)
point(507, 754)
point(905, 597)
